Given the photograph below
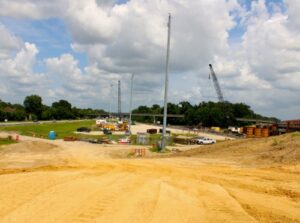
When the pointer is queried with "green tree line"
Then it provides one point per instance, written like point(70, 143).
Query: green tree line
point(34, 109)
point(206, 114)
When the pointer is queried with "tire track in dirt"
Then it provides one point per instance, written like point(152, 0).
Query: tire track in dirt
point(214, 200)
point(64, 197)
point(16, 191)
point(136, 205)
point(251, 196)
point(104, 198)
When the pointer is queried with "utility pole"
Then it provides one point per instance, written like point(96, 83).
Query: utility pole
point(111, 85)
point(130, 105)
point(163, 143)
point(119, 97)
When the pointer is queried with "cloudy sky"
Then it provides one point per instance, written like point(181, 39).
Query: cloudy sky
point(77, 49)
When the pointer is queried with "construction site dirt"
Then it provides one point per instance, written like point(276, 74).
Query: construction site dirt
point(252, 180)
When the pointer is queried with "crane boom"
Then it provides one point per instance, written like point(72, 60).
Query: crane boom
point(216, 83)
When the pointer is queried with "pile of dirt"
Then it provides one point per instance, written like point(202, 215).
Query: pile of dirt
point(28, 154)
point(30, 147)
point(284, 149)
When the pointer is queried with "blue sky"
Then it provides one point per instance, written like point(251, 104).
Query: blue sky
point(108, 40)
point(53, 38)
point(50, 35)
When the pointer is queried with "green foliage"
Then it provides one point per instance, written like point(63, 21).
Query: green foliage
point(205, 114)
point(42, 130)
point(34, 109)
point(33, 105)
point(62, 110)
point(154, 149)
point(11, 111)
point(47, 113)
point(6, 141)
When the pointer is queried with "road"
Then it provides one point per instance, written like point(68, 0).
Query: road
point(38, 122)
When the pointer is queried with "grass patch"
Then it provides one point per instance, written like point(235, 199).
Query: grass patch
point(6, 141)
point(113, 137)
point(154, 149)
point(42, 130)
point(275, 142)
point(186, 135)
point(157, 150)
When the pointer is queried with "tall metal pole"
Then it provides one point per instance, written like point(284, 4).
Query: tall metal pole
point(163, 144)
point(119, 98)
point(130, 105)
point(111, 85)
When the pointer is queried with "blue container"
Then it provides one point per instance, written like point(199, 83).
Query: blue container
point(52, 135)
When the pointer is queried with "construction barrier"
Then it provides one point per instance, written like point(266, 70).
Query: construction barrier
point(139, 152)
point(265, 132)
point(258, 132)
point(70, 138)
point(250, 132)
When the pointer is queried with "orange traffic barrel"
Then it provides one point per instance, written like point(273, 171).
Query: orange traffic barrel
point(265, 132)
point(250, 132)
point(258, 132)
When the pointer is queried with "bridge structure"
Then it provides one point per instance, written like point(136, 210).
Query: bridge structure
point(143, 115)
point(263, 121)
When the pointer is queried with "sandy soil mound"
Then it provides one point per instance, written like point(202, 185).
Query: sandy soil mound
point(30, 147)
point(36, 185)
point(29, 154)
point(284, 149)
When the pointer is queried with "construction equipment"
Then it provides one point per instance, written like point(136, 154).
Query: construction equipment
point(123, 126)
point(216, 83)
point(110, 126)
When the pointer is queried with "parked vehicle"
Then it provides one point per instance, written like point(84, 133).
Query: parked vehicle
point(83, 129)
point(124, 140)
point(152, 131)
point(205, 141)
point(167, 131)
point(107, 131)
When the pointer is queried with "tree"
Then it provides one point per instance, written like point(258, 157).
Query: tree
point(47, 113)
point(2, 116)
point(33, 105)
point(142, 110)
point(62, 110)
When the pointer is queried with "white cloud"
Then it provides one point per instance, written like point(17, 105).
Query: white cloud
point(261, 70)
point(17, 74)
point(8, 43)
point(89, 23)
point(293, 13)
point(267, 62)
point(82, 87)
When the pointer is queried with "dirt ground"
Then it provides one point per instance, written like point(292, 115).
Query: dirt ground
point(138, 128)
point(237, 181)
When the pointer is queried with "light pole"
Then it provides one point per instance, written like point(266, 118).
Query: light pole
point(163, 143)
point(111, 85)
point(130, 105)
